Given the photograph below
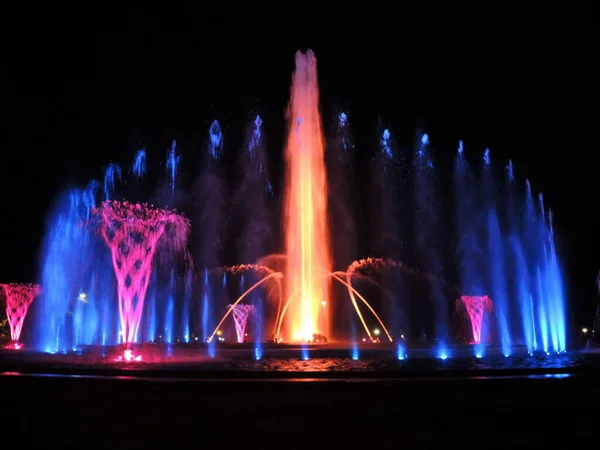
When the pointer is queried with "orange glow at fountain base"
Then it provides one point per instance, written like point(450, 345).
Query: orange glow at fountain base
point(306, 231)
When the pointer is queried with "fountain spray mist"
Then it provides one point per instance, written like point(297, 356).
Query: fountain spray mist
point(307, 240)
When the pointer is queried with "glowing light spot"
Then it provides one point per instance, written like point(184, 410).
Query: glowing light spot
point(442, 353)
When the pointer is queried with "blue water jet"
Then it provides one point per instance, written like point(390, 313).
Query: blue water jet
point(187, 301)
point(469, 248)
point(150, 310)
point(172, 164)
point(511, 256)
point(442, 352)
point(139, 164)
point(386, 145)
point(427, 237)
point(206, 313)
point(256, 135)
point(112, 174)
point(304, 353)
point(74, 308)
point(401, 352)
point(497, 268)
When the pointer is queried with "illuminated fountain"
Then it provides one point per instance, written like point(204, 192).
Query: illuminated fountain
point(492, 240)
point(133, 233)
point(19, 297)
point(476, 306)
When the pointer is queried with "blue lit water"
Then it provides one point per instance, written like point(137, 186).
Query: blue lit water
point(501, 243)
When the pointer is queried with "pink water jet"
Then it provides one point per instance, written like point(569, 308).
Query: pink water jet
point(133, 233)
point(476, 306)
point(19, 297)
point(240, 317)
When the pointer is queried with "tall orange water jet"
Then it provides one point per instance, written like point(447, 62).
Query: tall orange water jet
point(307, 239)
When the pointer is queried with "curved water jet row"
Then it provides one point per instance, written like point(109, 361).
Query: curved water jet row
point(336, 276)
point(364, 300)
point(261, 270)
point(279, 304)
point(279, 320)
point(275, 261)
point(366, 279)
point(241, 297)
point(381, 263)
point(241, 268)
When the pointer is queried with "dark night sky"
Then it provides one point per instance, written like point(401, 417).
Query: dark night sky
point(74, 91)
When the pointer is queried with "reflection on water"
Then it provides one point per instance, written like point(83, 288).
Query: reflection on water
point(299, 365)
point(384, 365)
point(551, 375)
